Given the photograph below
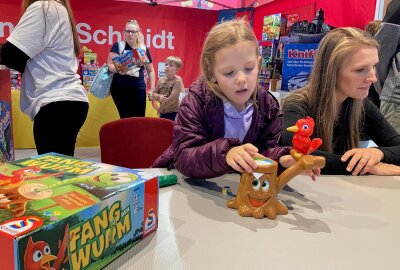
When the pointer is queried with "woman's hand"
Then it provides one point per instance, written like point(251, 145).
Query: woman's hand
point(122, 71)
point(150, 95)
point(385, 169)
point(362, 159)
point(287, 161)
point(241, 159)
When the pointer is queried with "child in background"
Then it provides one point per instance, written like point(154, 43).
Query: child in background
point(224, 120)
point(168, 89)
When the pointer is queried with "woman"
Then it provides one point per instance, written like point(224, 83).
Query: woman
point(43, 47)
point(128, 88)
point(336, 98)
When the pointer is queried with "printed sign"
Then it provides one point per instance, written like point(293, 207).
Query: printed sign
point(298, 61)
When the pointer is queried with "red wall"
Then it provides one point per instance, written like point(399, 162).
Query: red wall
point(338, 13)
point(187, 26)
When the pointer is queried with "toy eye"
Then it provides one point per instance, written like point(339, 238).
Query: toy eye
point(121, 180)
point(305, 126)
point(29, 170)
point(256, 184)
point(120, 174)
point(46, 250)
point(265, 185)
point(37, 256)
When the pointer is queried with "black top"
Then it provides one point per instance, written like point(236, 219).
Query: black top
point(127, 81)
point(13, 57)
point(373, 126)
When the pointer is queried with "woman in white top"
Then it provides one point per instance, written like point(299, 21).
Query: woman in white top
point(43, 47)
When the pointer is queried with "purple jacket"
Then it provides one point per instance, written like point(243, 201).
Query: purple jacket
point(199, 147)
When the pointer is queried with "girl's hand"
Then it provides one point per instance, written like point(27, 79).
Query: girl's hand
point(313, 173)
point(287, 161)
point(155, 106)
point(362, 159)
point(241, 159)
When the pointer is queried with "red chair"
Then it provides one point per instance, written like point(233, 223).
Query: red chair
point(135, 142)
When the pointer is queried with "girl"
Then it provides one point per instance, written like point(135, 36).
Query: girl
point(344, 69)
point(168, 89)
point(43, 47)
point(128, 88)
point(224, 120)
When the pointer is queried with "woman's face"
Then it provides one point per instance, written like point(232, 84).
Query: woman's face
point(131, 32)
point(236, 71)
point(356, 74)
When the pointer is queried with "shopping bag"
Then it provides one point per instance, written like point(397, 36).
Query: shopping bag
point(102, 82)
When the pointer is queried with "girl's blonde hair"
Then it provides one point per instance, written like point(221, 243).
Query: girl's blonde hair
point(320, 96)
point(221, 36)
point(66, 4)
point(139, 37)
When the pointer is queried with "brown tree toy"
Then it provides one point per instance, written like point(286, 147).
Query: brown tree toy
point(257, 192)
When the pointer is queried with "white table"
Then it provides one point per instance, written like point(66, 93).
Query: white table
point(335, 223)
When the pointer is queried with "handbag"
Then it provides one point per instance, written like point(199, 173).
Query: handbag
point(101, 84)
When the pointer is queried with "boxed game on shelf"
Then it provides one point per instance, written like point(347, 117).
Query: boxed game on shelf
point(298, 60)
point(60, 212)
point(89, 72)
point(271, 27)
point(6, 130)
point(15, 77)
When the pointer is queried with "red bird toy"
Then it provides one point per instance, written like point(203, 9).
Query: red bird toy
point(301, 140)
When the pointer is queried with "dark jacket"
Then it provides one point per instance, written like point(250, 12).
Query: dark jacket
point(199, 147)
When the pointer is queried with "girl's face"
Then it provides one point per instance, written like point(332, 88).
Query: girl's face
point(170, 69)
point(356, 74)
point(236, 71)
point(131, 32)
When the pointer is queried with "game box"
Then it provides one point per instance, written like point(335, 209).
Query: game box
point(60, 212)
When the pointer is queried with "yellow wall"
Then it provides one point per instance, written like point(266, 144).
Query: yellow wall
point(101, 111)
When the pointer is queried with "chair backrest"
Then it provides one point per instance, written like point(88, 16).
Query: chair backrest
point(135, 142)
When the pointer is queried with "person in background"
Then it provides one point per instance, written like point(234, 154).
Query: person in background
point(128, 88)
point(168, 89)
point(225, 120)
point(388, 68)
point(43, 47)
point(372, 28)
point(336, 98)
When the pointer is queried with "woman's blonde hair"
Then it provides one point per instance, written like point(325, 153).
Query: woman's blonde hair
point(66, 4)
point(319, 93)
point(221, 36)
point(139, 37)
